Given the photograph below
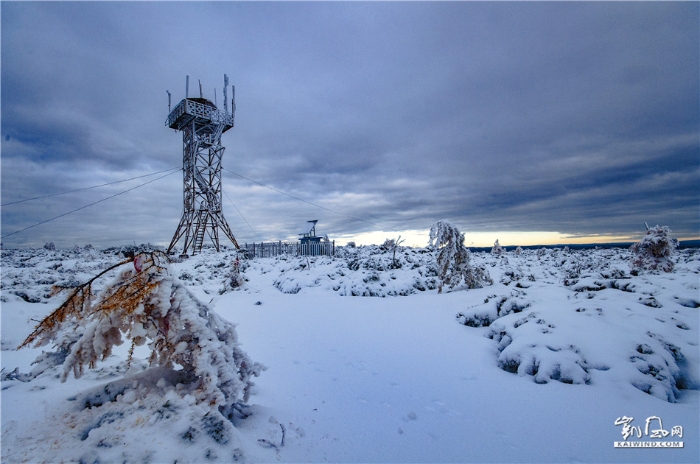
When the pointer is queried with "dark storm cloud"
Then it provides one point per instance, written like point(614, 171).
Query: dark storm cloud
point(580, 118)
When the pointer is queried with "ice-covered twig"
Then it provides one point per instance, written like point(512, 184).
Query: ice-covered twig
point(238, 407)
point(268, 443)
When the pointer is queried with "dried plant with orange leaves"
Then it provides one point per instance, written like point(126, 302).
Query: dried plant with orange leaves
point(146, 304)
point(127, 295)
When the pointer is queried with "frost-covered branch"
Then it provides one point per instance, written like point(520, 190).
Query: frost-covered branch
point(77, 304)
point(147, 305)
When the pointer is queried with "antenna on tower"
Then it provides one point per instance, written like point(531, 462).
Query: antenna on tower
point(233, 99)
point(168, 100)
point(225, 96)
point(187, 86)
point(201, 95)
point(215, 104)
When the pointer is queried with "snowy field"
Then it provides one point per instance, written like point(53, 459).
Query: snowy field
point(565, 354)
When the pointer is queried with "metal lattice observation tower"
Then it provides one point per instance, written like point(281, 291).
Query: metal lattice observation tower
point(202, 125)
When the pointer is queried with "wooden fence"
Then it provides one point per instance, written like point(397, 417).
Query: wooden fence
point(272, 249)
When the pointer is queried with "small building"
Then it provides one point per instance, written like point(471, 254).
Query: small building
point(312, 245)
point(310, 236)
point(308, 245)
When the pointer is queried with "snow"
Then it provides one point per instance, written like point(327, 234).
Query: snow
point(561, 346)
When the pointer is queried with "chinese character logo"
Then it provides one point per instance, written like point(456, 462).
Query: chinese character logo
point(627, 429)
point(653, 429)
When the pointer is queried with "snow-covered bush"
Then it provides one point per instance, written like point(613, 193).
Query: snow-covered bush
point(654, 251)
point(543, 361)
point(453, 258)
point(235, 278)
point(129, 251)
point(388, 244)
point(657, 361)
point(363, 271)
point(148, 305)
point(493, 307)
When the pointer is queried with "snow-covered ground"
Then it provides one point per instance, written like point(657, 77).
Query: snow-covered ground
point(366, 362)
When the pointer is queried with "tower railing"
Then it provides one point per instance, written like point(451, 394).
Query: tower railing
point(192, 108)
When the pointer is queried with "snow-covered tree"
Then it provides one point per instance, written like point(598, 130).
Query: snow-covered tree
point(497, 249)
point(654, 251)
point(148, 305)
point(452, 260)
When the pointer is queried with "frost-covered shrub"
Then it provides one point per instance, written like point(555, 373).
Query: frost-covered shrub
point(148, 305)
point(392, 245)
point(480, 315)
point(388, 244)
point(452, 260)
point(520, 354)
point(235, 277)
point(362, 271)
point(493, 308)
point(658, 362)
point(654, 251)
point(50, 246)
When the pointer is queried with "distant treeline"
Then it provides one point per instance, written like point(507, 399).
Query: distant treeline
point(681, 244)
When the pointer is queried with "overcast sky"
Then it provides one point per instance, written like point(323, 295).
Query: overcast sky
point(572, 120)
